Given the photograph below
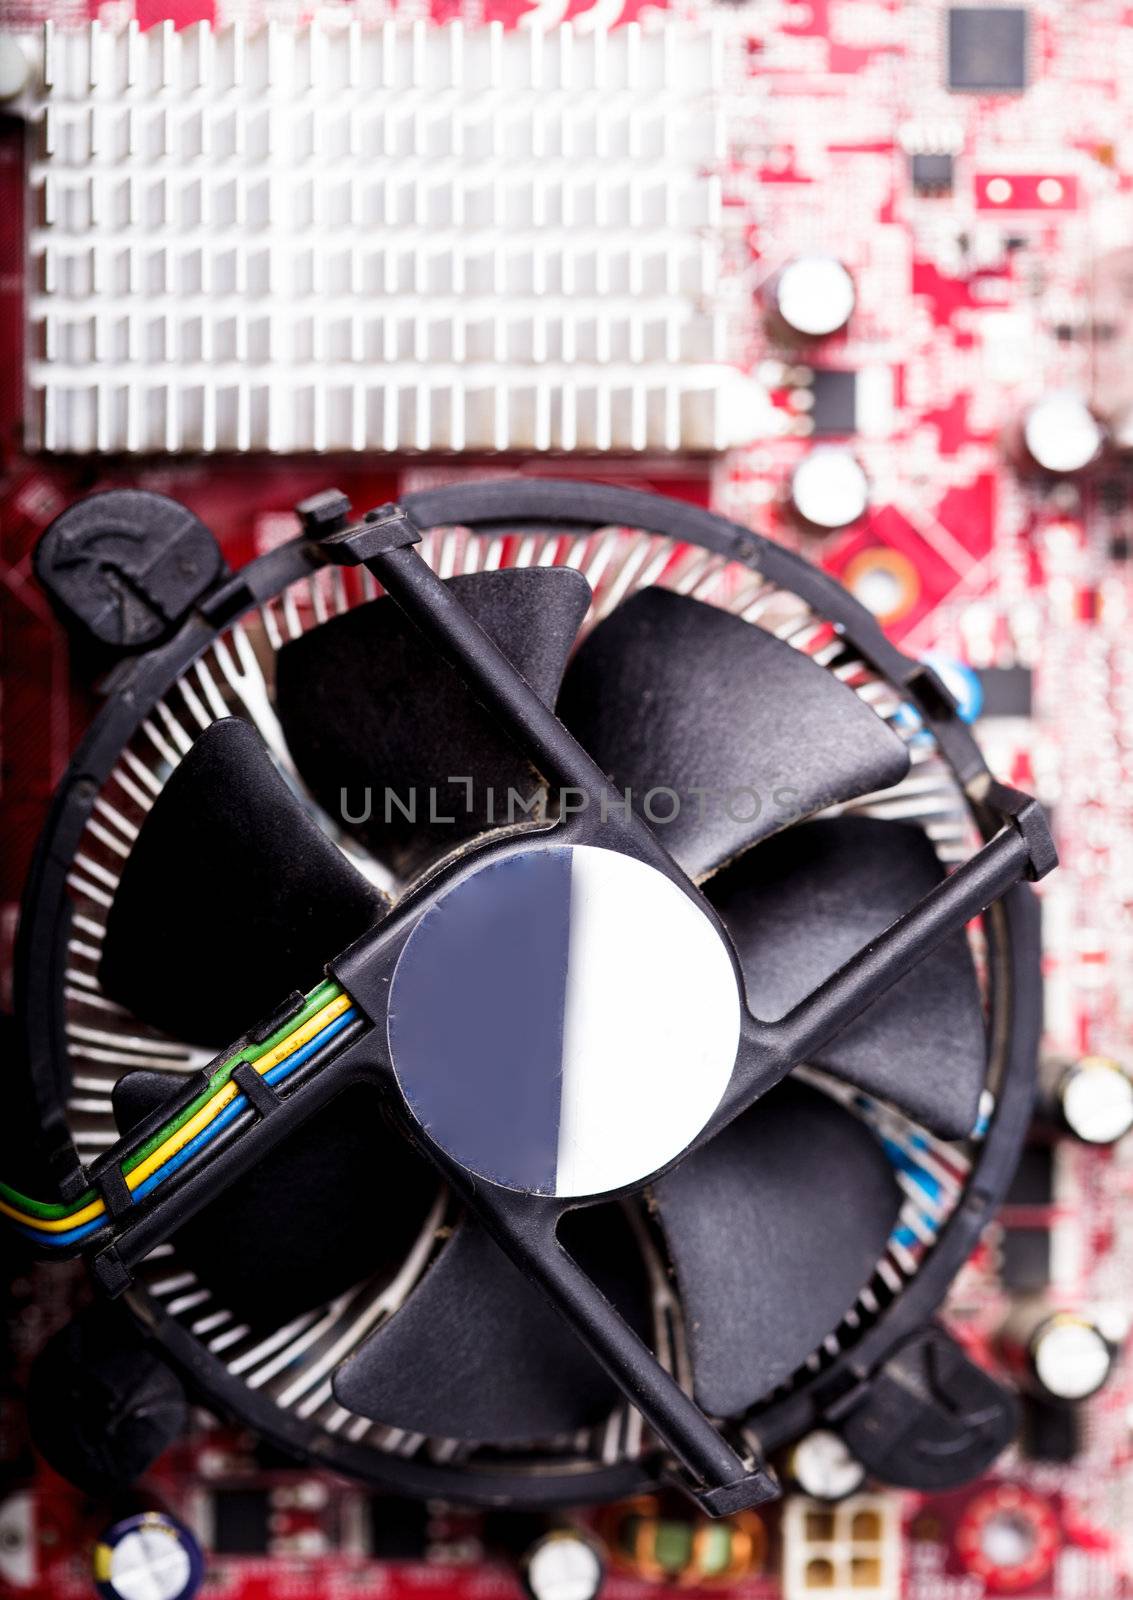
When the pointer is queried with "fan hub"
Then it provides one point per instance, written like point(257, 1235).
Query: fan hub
point(564, 1021)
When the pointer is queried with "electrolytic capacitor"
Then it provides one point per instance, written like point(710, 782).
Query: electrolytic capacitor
point(1060, 1354)
point(823, 1468)
point(1058, 435)
point(810, 297)
point(150, 1556)
point(1094, 1100)
point(564, 1564)
point(829, 488)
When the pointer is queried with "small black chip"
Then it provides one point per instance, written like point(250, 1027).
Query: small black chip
point(241, 1522)
point(932, 172)
point(1050, 1432)
point(399, 1529)
point(835, 408)
point(1006, 691)
point(1033, 1183)
point(987, 49)
point(1024, 1260)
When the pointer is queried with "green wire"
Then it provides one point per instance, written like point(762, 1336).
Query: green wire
point(53, 1210)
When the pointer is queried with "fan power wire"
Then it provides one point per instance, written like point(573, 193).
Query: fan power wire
point(325, 1013)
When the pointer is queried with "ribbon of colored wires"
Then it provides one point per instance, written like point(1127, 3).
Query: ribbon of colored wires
point(325, 1013)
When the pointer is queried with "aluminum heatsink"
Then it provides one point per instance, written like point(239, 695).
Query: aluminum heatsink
point(399, 237)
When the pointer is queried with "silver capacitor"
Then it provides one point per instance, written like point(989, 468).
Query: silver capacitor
point(1094, 1100)
point(1059, 1354)
point(1058, 435)
point(810, 297)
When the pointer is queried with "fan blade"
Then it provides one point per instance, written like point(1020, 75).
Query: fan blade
point(799, 908)
point(774, 1228)
point(337, 1202)
point(231, 897)
point(670, 693)
point(477, 1353)
point(367, 705)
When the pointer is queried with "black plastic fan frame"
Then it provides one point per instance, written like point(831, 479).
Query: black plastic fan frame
point(1017, 847)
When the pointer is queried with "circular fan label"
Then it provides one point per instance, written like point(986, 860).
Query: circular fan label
point(564, 1021)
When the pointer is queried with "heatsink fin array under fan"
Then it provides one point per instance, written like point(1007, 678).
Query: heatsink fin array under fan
point(399, 237)
point(390, 1334)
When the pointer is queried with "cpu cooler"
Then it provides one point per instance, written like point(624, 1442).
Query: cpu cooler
point(527, 993)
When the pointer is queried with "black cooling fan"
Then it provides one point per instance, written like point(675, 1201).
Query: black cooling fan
point(496, 1003)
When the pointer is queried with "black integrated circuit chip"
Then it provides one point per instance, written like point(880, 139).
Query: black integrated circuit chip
point(1024, 1260)
point(1033, 1183)
point(987, 49)
point(835, 408)
point(399, 1529)
point(1007, 691)
point(241, 1522)
point(1051, 1431)
point(932, 171)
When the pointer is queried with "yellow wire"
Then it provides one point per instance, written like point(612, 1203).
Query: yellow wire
point(177, 1141)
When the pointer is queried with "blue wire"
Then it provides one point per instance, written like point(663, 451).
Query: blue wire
point(223, 1120)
